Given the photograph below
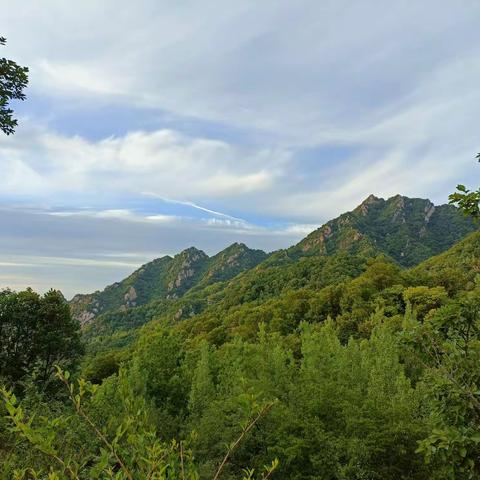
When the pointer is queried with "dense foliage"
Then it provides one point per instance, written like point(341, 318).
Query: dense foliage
point(167, 278)
point(36, 333)
point(342, 366)
point(13, 80)
point(409, 230)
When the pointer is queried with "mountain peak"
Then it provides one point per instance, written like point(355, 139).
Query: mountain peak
point(408, 230)
point(192, 252)
point(231, 261)
point(363, 208)
point(371, 199)
point(237, 246)
point(238, 253)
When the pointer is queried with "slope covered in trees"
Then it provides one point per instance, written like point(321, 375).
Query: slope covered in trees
point(167, 278)
point(405, 230)
point(342, 362)
point(409, 230)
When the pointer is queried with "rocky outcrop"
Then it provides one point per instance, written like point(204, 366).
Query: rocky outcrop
point(429, 211)
point(399, 209)
point(185, 267)
point(130, 297)
point(85, 317)
point(84, 308)
point(318, 241)
point(364, 207)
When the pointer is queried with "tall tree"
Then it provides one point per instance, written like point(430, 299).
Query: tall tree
point(36, 332)
point(13, 80)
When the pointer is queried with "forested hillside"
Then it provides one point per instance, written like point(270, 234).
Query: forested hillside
point(167, 278)
point(352, 355)
point(404, 230)
point(408, 230)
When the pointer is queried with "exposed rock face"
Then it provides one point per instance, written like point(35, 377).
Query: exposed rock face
point(429, 211)
point(185, 267)
point(183, 275)
point(130, 297)
point(84, 308)
point(319, 241)
point(364, 206)
point(84, 317)
point(399, 212)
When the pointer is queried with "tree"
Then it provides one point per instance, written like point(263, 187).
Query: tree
point(467, 200)
point(13, 79)
point(202, 391)
point(36, 332)
point(448, 346)
point(156, 373)
point(424, 299)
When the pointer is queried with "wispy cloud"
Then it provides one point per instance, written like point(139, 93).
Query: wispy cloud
point(194, 205)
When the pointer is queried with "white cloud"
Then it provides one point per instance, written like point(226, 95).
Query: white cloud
point(195, 206)
point(295, 69)
point(52, 261)
point(67, 77)
point(165, 163)
point(401, 92)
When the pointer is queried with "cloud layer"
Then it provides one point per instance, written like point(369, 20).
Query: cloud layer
point(259, 120)
point(81, 251)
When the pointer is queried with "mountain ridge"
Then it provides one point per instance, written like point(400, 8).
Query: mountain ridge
point(407, 230)
point(166, 277)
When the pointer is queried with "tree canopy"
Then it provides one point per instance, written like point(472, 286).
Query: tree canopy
point(36, 332)
point(13, 80)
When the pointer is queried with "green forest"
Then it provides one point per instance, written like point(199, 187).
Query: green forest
point(351, 355)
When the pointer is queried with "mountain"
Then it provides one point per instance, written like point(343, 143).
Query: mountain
point(166, 278)
point(337, 316)
point(348, 288)
point(409, 230)
point(230, 262)
point(406, 231)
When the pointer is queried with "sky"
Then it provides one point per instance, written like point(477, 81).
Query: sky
point(152, 126)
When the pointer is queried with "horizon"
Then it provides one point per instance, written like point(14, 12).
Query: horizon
point(173, 127)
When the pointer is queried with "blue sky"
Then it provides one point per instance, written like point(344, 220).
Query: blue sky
point(151, 126)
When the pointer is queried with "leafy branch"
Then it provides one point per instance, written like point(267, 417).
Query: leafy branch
point(233, 446)
point(467, 200)
point(77, 403)
point(148, 458)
